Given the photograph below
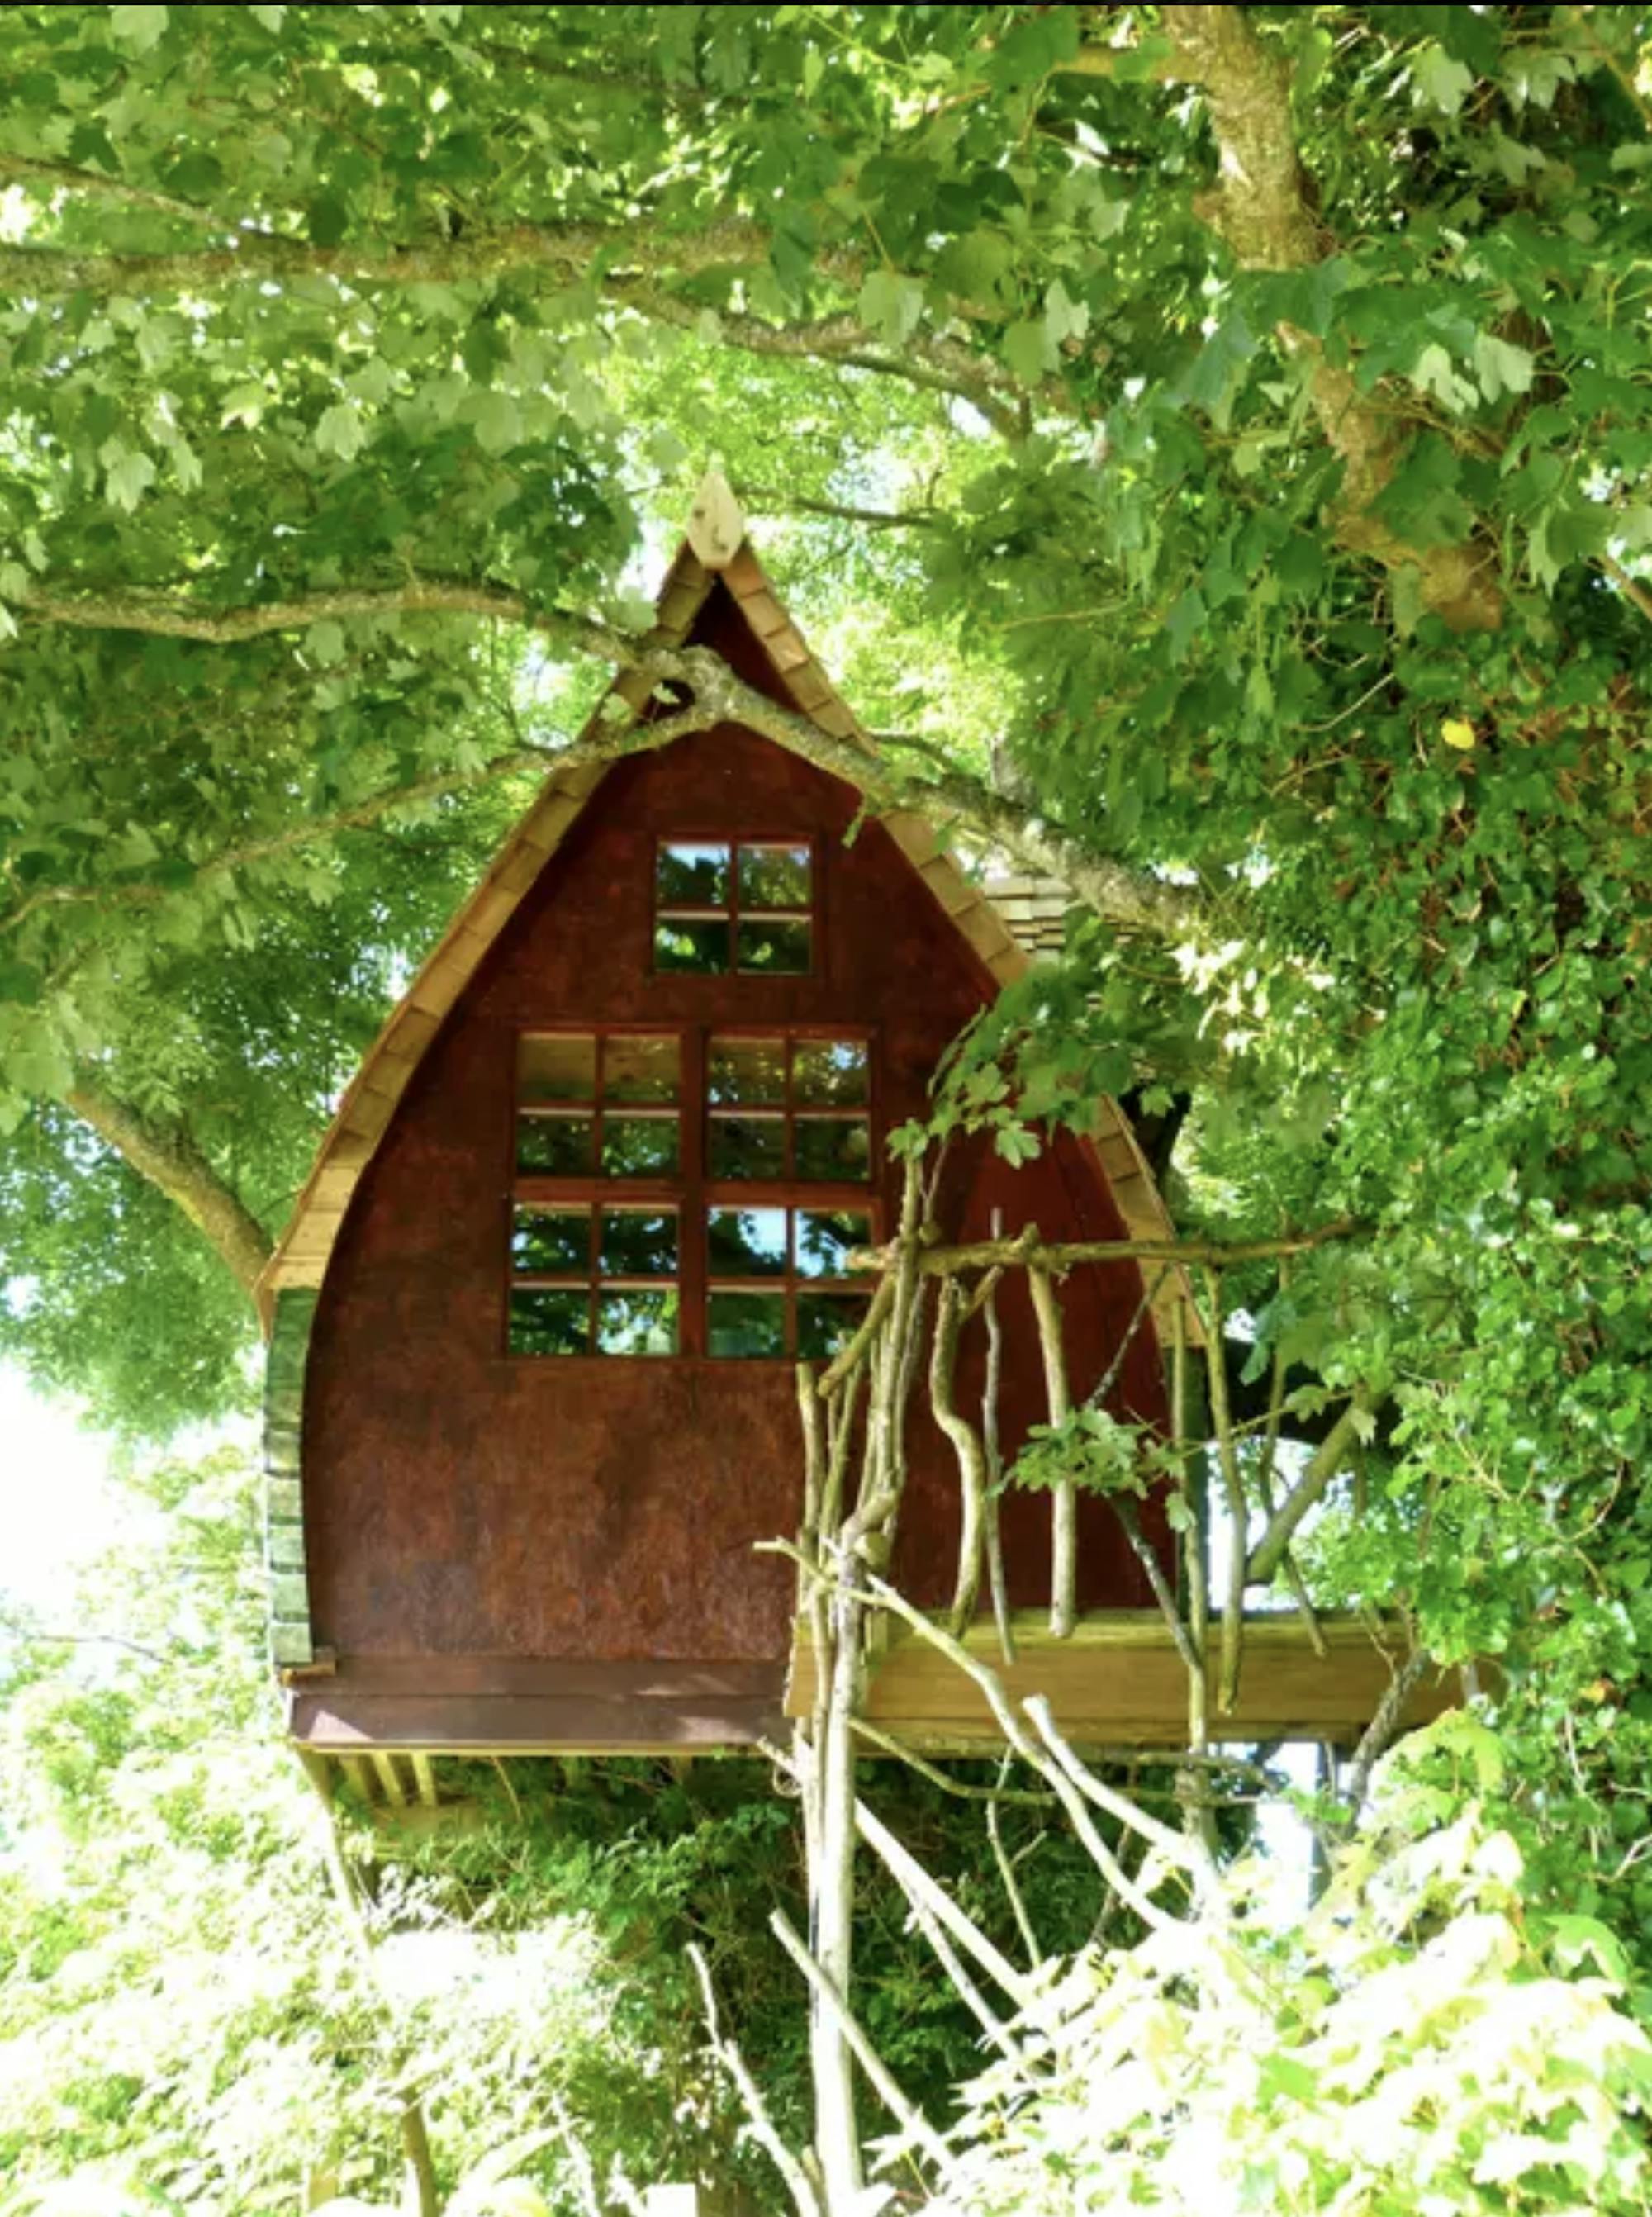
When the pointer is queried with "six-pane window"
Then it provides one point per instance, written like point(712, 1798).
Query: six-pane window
point(744, 904)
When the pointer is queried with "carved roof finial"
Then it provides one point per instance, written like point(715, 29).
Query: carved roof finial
point(715, 525)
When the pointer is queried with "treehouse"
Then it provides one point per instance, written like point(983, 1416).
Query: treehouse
point(535, 1322)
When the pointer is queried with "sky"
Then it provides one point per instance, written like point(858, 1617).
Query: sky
point(56, 1506)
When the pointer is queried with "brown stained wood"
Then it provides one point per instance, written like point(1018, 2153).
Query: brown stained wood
point(365, 1109)
point(1117, 1680)
point(462, 1502)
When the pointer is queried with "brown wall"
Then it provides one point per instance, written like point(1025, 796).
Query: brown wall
point(462, 1502)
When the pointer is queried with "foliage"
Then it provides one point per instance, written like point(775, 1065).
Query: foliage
point(1420, 2040)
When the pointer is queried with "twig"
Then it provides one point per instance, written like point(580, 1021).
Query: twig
point(1012, 1886)
point(1063, 1493)
point(911, 2120)
point(960, 1788)
point(1385, 1724)
point(1233, 1611)
point(966, 1446)
point(797, 2182)
point(987, 1294)
point(916, 1884)
point(1328, 1459)
point(1066, 1255)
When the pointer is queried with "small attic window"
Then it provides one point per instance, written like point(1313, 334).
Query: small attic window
point(745, 906)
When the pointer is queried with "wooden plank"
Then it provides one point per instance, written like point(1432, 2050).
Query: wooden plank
point(385, 1770)
point(520, 1724)
point(359, 1771)
point(414, 1676)
point(425, 1777)
point(1118, 1682)
point(949, 884)
point(786, 649)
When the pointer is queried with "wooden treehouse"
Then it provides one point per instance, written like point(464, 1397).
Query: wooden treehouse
point(535, 1321)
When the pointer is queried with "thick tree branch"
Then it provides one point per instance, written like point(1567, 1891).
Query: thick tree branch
point(176, 1166)
point(1260, 209)
point(1130, 899)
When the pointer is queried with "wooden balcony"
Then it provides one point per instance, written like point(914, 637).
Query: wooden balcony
point(1119, 1683)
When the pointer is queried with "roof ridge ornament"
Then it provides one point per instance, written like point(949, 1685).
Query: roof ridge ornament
point(717, 525)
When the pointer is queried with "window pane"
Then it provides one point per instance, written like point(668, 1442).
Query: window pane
point(748, 1147)
point(683, 944)
point(639, 1146)
point(774, 877)
point(637, 1070)
point(544, 1322)
point(776, 949)
point(639, 1243)
point(746, 1243)
point(830, 1073)
point(692, 876)
point(824, 1238)
point(747, 1072)
point(746, 1324)
point(637, 1323)
point(832, 1148)
point(554, 1146)
point(556, 1066)
point(552, 1243)
point(827, 1323)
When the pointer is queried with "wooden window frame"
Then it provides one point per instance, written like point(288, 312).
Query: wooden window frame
point(731, 913)
point(691, 1193)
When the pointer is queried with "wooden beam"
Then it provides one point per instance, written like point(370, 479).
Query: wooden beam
point(424, 1772)
point(1117, 1682)
point(385, 1766)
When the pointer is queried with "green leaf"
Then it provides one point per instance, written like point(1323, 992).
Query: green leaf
point(498, 422)
point(1501, 366)
point(139, 27)
point(129, 474)
point(1028, 350)
point(342, 431)
point(1439, 81)
point(891, 304)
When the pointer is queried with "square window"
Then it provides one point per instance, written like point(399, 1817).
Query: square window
point(639, 1146)
point(638, 1243)
point(639, 1069)
point(827, 1323)
point(552, 1145)
point(777, 946)
point(746, 1323)
point(692, 944)
point(543, 1322)
point(833, 1148)
point(693, 873)
point(548, 1243)
point(556, 1066)
point(748, 1147)
point(824, 1238)
point(637, 1323)
point(746, 1243)
point(747, 1073)
point(828, 1073)
point(775, 877)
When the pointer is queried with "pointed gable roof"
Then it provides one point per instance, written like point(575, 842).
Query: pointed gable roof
point(715, 549)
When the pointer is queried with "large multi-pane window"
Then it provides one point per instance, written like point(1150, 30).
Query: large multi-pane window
point(691, 1192)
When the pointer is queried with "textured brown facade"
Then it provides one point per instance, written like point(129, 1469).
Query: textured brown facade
point(463, 1503)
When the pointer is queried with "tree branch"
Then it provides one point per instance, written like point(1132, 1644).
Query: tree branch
point(171, 1160)
point(1134, 900)
point(1260, 208)
point(1328, 1459)
point(360, 817)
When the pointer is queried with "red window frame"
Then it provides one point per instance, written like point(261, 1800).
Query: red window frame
point(731, 912)
point(691, 1192)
